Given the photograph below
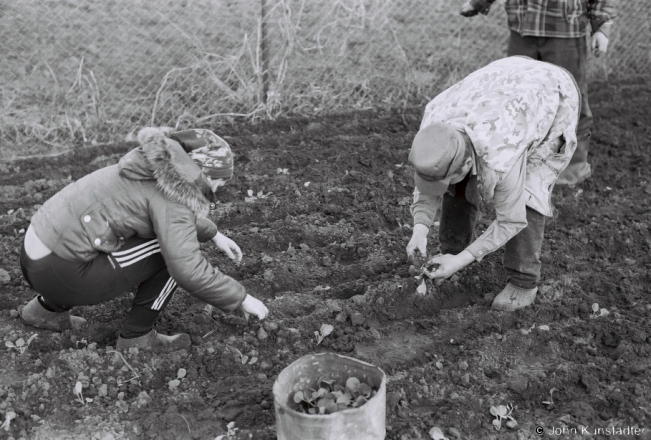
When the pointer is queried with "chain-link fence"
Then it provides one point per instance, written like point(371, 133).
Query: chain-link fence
point(92, 71)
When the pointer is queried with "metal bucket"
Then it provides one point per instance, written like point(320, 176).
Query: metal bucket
point(366, 422)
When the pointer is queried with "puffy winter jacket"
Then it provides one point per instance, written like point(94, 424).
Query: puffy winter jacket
point(155, 191)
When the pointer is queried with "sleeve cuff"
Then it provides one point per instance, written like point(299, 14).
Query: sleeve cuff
point(478, 251)
point(206, 229)
point(423, 219)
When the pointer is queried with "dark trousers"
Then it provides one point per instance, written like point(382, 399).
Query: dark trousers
point(572, 55)
point(521, 253)
point(64, 284)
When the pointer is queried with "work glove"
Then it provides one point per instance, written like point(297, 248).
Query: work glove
point(253, 306)
point(599, 43)
point(228, 246)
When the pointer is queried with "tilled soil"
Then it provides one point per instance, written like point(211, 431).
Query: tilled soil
point(324, 242)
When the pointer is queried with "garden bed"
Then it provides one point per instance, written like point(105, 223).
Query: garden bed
point(324, 236)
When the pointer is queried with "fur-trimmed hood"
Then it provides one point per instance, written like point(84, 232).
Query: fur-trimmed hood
point(164, 160)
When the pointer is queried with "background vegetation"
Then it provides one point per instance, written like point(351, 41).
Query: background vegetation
point(78, 72)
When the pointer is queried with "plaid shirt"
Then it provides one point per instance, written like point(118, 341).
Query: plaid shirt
point(555, 18)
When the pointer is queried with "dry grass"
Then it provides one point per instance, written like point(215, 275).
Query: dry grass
point(81, 72)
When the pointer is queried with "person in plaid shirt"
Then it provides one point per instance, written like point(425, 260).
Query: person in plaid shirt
point(555, 31)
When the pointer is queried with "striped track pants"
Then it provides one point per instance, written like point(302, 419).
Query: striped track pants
point(138, 263)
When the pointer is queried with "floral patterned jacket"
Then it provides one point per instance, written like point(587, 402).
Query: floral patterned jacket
point(521, 117)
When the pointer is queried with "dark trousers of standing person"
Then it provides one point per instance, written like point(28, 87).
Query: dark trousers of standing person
point(572, 55)
point(521, 253)
point(64, 284)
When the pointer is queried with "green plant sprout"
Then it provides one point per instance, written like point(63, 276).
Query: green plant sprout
point(80, 396)
point(324, 331)
point(436, 434)
point(331, 396)
point(282, 170)
point(501, 413)
point(21, 345)
point(252, 198)
point(232, 432)
point(528, 330)
point(135, 376)
point(597, 312)
point(551, 397)
point(421, 263)
point(9, 416)
point(174, 383)
point(242, 357)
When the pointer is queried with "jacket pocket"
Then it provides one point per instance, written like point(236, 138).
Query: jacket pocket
point(96, 225)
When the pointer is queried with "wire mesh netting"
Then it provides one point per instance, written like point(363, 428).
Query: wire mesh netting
point(85, 71)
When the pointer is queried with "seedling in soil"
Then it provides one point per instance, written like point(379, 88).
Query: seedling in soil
point(325, 330)
point(173, 384)
point(21, 345)
point(135, 376)
point(282, 170)
point(9, 416)
point(252, 198)
point(243, 358)
point(417, 270)
point(331, 396)
point(503, 413)
point(551, 397)
point(437, 434)
point(528, 330)
point(80, 396)
point(232, 432)
point(597, 312)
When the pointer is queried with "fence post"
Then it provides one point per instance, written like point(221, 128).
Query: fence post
point(264, 50)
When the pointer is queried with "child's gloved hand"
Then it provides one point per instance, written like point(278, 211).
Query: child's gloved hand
point(253, 306)
point(228, 246)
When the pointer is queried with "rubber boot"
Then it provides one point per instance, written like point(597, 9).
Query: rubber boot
point(514, 298)
point(155, 341)
point(36, 315)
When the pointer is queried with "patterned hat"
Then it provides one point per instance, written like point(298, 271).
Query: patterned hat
point(209, 151)
point(436, 153)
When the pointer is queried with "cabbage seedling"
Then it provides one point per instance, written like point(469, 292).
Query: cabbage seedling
point(9, 416)
point(232, 431)
point(417, 270)
point(252, 198)
point(503, 413)
point(597, 312)
point(135, 376)
point(80, 396)
point(21, 345)
point(332, 397)
point(173, 384)
point(551, 397)
point(242, 357)
point(324, 331)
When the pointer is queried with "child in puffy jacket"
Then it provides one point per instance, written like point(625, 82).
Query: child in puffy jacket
point(136, 223)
